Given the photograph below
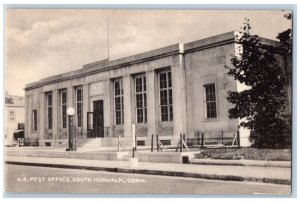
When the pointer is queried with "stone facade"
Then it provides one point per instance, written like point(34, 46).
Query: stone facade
point(192, 66)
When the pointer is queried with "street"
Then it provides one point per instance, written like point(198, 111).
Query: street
point(28, 179)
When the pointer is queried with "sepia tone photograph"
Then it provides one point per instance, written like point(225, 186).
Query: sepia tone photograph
point(140, 101)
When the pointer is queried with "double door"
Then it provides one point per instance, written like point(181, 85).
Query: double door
point(96, 120)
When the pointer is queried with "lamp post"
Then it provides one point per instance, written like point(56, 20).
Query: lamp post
point(70, 112)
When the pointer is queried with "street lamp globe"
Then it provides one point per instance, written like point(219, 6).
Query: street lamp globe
point(70, 111)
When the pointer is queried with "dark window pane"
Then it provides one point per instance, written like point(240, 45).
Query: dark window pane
point(210, 92)
point(162, 80)
point(79, 121)
point(165, 81)
point(117, 88)
point(117, 103)
point(79, 95)
point(164, 113)
point(170, 96)
point(211, 109)
point(164, 97)
point(171, 113)
point(64, 97)
point(34, 119)
point(140, 115)
point(139, 101)
point(64, 116)
point(139, 87)
point(49, 99)
point(169, 79)
point(145, 84)
point(64, 122)
point(79, 108)
point(49, 117)
point(145, 100)
point(118, 117)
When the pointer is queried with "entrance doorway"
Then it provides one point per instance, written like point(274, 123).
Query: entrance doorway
point(96, 120)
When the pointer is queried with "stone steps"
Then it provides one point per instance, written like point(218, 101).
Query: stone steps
point(103, 144)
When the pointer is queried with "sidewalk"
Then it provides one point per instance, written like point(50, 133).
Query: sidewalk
point(282, 164)
point(277, 175)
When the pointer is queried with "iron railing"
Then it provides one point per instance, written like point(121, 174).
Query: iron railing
point(202, 138)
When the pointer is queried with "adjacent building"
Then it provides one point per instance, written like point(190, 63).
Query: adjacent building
point(179, 89)
point(14, 118)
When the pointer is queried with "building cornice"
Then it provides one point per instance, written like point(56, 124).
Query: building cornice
point(105, 65)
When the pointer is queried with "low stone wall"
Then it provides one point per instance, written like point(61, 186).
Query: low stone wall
point(91, 155)
point(164, 157)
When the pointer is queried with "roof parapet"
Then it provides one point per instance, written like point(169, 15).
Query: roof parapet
point(103, 65)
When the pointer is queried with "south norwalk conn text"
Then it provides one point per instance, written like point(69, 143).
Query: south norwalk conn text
point(80, 179)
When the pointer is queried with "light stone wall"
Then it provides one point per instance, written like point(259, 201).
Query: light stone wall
point(205, 67)
point(127, 73)
point(190, 71)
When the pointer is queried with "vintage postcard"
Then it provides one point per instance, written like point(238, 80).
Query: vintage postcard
point(129, 101)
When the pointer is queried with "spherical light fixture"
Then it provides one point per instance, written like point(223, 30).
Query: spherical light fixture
point(70, 111)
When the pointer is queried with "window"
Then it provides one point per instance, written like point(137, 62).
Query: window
point(210, 101)
point(165, 96)
point(21, 126)
point(34, 120)
point(63, 96)
point(79, 106)
point(49, 110)
point(141, 99)
point(119, 102)
point(11, 116)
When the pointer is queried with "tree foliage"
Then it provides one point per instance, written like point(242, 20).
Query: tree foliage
point(260, 106)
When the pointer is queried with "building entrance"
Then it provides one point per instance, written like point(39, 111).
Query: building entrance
point(96, 120)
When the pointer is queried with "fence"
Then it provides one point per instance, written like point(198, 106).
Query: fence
point(220, 137)
point(201, 140)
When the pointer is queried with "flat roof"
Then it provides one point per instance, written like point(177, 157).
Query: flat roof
point(104, 65)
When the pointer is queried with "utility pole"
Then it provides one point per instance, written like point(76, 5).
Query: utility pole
point(107, 37)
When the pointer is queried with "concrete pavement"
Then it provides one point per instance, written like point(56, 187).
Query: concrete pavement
point(33, 179)
point(265, 174)
point(282, 164)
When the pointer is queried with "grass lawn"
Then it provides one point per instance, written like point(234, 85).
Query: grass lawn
point(245, 153)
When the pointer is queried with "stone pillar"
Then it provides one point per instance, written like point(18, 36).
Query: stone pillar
point(27, 116)
point(70, 103)
point(107, 106)
point(85, 92)
point(55, 115)
point(111, 107)
point(151, 109)
point(127, 105)
point(42, 115)
point(71, 97)
point(179, 100)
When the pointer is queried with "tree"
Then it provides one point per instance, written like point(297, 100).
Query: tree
point(285, 49)
point(261, 105)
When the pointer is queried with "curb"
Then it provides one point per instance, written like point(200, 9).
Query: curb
point(235, 163)
point(156, 172)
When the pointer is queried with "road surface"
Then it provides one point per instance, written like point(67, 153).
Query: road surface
point(29, 179)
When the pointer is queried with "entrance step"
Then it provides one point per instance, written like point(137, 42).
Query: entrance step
point(91, 143)
point(105, 144)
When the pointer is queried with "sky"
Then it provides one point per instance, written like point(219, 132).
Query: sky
point(45, 42)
